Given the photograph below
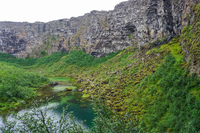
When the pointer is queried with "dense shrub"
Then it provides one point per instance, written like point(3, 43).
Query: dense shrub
point(107, 121)
point(49, 60)
point(171, 99)
point(80, 58)
point(11, 59)
point(15, 83)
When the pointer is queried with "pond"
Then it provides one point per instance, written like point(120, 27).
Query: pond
point(60, 98)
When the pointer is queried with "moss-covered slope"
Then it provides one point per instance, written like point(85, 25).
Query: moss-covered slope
point(154, 84)
point(158, 84)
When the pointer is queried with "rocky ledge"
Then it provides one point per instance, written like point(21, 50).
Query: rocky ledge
point(133, 22)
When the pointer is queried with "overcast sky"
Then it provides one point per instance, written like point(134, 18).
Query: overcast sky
point(48, 10)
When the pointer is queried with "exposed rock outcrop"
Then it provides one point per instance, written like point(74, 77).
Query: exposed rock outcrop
point(99, 32)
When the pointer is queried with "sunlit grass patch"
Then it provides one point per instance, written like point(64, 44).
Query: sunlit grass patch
point(60, 79)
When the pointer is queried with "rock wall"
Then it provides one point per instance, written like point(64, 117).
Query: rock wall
point(99, 32)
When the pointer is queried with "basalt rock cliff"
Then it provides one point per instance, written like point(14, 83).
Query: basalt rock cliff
point(134, 22)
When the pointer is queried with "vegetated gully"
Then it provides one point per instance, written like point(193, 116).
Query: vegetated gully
point(59, 97)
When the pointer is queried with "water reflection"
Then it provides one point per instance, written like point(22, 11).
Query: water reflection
point(1, 122)
point(54, 114)
point(73, 99)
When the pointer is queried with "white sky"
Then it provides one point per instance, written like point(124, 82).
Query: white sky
point(48, 10)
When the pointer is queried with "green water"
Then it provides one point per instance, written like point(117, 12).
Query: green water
point(80, 107)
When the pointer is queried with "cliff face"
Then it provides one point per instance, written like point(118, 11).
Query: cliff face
point(98, 33)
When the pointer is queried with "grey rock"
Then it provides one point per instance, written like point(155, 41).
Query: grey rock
point(134, 22)
point(80, 90)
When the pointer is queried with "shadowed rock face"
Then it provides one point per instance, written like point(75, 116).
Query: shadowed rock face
point(11, 43)
point(134, 22)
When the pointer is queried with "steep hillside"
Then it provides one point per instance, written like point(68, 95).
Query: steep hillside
point(155, 85)
point(159, 83)
point(154, 75)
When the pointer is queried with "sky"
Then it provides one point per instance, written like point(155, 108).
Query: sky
point(48, 10)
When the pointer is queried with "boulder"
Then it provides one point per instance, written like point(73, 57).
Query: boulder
point(53, 83)
point(80, 90)
point(68, 88)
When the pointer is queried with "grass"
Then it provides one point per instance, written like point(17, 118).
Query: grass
point(155, 85)
point(17, 85)
point(86, 95)
point(60, 79)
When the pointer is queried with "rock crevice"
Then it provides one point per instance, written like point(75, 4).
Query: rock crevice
point(98, 33)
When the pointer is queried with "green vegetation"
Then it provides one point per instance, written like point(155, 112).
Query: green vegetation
point(171, 98)
point(81, 59)
point(16, 85)
point(155, 86)
point(53, 38)
point(37, 121)
point(60, 79)
point(108, 122)
point(43, 53)
point(11, 59)
point(47, 61)
point(158, 86)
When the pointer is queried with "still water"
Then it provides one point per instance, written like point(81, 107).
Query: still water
point(60, 98)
